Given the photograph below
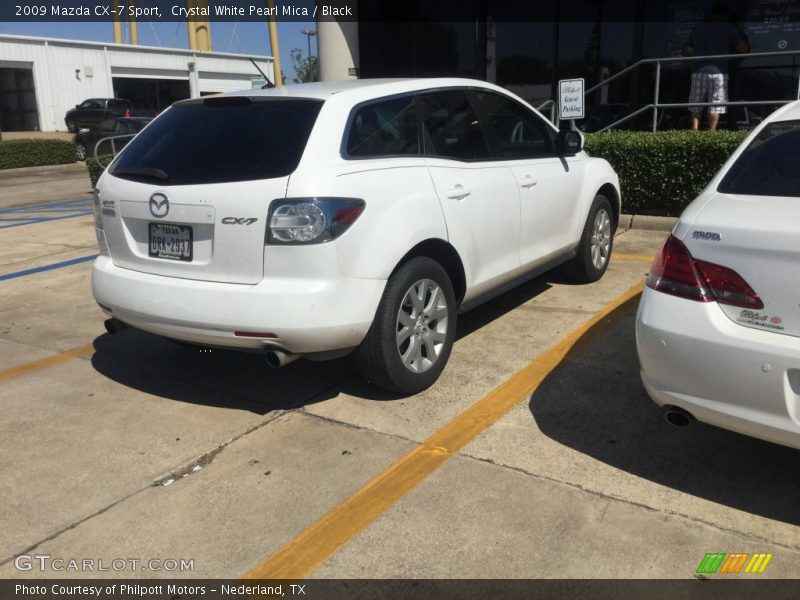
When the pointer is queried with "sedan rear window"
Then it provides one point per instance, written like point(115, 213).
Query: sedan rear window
point(220, 140)
point(770, 165)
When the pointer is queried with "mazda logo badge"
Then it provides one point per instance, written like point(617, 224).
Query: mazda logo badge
point(159, 205)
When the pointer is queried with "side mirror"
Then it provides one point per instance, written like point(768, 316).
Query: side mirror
point(570, 142)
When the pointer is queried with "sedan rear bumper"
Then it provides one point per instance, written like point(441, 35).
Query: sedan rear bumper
point(693, 356)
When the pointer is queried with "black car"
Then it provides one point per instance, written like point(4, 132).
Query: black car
point(86, 140)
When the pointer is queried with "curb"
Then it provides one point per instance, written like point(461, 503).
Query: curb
point(73, 166)
point(647, 222)
point(55, 169)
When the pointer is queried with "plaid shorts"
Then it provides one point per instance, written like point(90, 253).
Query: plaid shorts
point(708, 87)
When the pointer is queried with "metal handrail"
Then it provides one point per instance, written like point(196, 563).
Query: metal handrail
point(688, 104)
point(113, 146)
point(655, 105)
point(670, 59)
point(553, 107)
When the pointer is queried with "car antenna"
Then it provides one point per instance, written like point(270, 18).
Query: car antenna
point(267, 85)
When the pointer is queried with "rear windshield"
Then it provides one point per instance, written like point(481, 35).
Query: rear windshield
point(770, 166)
point(220, 140)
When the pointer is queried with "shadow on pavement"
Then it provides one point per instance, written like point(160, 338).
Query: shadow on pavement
point(595, 403)
point(240, 380)
point(222, 378)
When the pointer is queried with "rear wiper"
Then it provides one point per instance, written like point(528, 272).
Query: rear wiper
point(149, 172)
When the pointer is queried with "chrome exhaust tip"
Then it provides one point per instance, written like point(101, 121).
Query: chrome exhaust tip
point(277, 358)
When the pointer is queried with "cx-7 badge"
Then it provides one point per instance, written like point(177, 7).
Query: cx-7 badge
point(239, 220)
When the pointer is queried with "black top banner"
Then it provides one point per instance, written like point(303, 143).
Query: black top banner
point(367, 10)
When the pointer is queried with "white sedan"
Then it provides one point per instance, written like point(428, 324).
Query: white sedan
point(718, 324)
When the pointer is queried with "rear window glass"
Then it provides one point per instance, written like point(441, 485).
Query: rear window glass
point(387, 128)
point(770, 166)
point(220, 140)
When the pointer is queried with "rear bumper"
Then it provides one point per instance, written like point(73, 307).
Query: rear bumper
point(305, 315)
point(694, 357)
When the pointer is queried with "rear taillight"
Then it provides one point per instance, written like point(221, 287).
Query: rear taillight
point(675, 272)
point(311, 220)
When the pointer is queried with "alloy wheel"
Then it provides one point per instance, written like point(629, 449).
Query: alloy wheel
point(422, 326)
point(601, 239)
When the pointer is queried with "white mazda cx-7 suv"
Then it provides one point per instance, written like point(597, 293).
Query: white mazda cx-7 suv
point(318, 219)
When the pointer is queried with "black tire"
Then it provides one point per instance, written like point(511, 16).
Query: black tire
point(71, 126)
point(379, 356)
point(80, 152)
point(584, 268)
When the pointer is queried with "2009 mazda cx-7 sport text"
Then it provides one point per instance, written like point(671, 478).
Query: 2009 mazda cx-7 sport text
point(319, 219)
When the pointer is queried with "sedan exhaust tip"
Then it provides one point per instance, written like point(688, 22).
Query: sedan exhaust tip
point(678, 417)
point(277, 358)
point(114, 326)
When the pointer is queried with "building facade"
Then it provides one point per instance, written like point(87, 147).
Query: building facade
point(592, 39)
point(42, 78)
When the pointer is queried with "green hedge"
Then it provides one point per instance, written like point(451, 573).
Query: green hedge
point(660, 173)
point(33, 153)
point(95, 170)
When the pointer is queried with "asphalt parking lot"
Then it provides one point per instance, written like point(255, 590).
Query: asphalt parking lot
point(537, 454)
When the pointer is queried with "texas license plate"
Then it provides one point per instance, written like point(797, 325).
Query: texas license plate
point(173, 242)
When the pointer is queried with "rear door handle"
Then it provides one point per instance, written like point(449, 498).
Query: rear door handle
point(458, 192)
point(528, 182)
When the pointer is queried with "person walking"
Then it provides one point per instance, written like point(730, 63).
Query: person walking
point(716, 35)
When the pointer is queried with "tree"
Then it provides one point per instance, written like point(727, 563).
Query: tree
point(306, 68)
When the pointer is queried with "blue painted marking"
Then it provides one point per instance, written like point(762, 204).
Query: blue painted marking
point(21, 218)
point(41, 213)
point(46, 204)
point(33, 220)
point(58, 265)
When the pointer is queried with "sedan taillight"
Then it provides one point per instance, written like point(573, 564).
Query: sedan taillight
point(674, 271)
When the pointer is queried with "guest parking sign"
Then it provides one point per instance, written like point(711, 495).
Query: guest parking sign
point(570, 99)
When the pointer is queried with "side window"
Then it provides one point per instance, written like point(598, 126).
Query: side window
point(88, 103)
point(452, 127)
point(107, 125)
point(387, 128)
point(520, 133)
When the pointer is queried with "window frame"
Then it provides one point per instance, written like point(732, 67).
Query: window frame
point(352, 117)
point(423, 143)
point(427, 143)
point(496, 143)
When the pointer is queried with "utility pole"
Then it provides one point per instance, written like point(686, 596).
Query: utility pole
point(117, 23)
point(273, 43)
point(132, 22)
point(190, 25)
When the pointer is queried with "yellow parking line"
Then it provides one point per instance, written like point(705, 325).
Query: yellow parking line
point(303, 554)
point(43, 363)
point(632, 257)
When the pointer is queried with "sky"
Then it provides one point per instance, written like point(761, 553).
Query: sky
point(241, 38)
